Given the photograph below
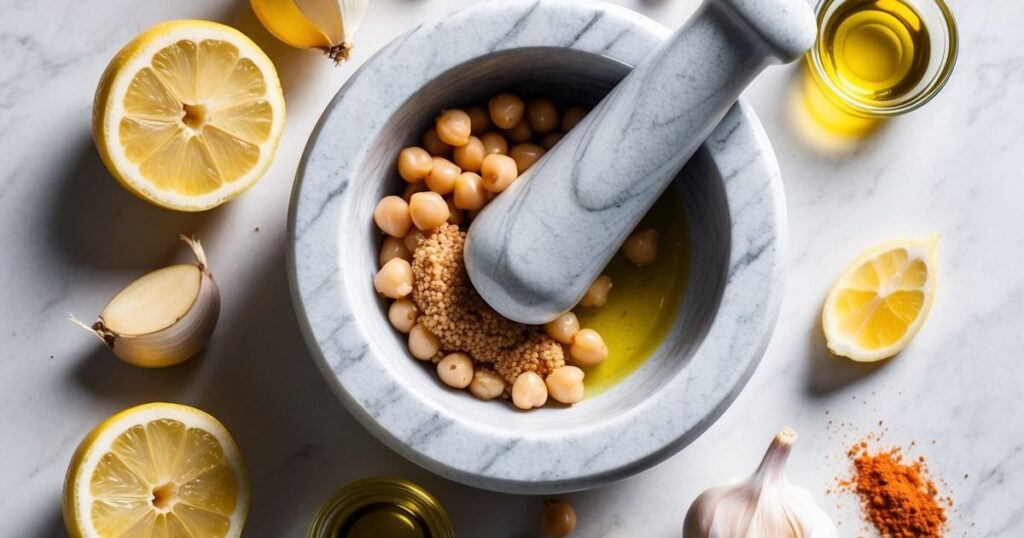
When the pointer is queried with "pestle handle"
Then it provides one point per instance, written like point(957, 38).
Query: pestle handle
point(534, 252)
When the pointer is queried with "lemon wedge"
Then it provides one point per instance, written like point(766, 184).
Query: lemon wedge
point(189, 114)
point(158, 469)
point(881, 300)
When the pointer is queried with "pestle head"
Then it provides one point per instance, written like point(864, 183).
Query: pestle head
point(786, 27)
point(533, 252)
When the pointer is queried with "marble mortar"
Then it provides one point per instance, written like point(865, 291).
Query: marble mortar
point(567, 49)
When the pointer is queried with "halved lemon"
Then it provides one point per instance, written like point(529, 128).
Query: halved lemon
point(158, 469)
point(189, 114)
point(881, 300)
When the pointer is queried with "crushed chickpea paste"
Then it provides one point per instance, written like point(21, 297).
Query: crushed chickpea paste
point(454, 312)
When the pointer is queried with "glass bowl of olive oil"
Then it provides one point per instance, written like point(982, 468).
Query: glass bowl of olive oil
point(382, 507)
point(881, 58)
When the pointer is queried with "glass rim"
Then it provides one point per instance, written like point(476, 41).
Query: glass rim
point(817, 68)
point(382, 490)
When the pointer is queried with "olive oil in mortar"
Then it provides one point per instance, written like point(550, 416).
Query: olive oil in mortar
point(644, 302)
point(874, 51)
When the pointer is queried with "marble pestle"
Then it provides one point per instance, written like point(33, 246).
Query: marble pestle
point(533, 252)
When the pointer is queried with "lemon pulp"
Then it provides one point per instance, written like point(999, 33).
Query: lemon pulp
point(644, 302)
point(163, 475)
point(195, 118)
point(881, 300)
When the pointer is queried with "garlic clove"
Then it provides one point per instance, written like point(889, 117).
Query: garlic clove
point(328, 25)
point(765, 505)
point(154, 301)
point(163, 317)
point(326, 15)
point(352, 13)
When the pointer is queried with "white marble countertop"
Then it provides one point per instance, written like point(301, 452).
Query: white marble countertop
point(73, 237)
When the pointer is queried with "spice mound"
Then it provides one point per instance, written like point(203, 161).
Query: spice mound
point(454, 312)
point(897, 495)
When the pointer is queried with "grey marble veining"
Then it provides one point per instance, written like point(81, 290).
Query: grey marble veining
point(74, 237)
point(533, 254)
point(733, 196)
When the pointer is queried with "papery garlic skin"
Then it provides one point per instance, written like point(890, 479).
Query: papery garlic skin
point(765, 505)
point(327, 25)
point(181, 334)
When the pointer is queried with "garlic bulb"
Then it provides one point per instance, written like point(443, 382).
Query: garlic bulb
point(327, 25)
point(765, 505)
point(163, 317)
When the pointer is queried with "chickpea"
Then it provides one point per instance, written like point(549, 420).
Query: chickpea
point(542, 115)
point(597, 293)
point(423, 345)
point(641, 248)
point(456, 370)
point(414, 164)
point(402, 314)
point(428, 210)
point(394, 280)
point(454, 127)
point(455, 215)
point(520, 132)
point(392, 216)
point(558, 519)
point(498, 172)
point(469, 156)
point(469, 191)
point(393, 247)
point(506, 110)
point(529, 391)
point(433, 144)
point(525, 155)
point(550, 140)
point(479, 119)
point(563, 328)
point(588, 348)
point(441, 178)
point(494, 143)
point(572, 117)
point(415, 238)
point(486, 384)
point(565, 384)
point(413, 188)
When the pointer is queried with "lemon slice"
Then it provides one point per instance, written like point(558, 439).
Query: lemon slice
point(881, 300)
point(158, 469)
point(188, 115)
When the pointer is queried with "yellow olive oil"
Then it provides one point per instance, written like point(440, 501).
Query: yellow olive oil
point(383, 519)
point(644, 301)
point(874, 50)
point(379, 507)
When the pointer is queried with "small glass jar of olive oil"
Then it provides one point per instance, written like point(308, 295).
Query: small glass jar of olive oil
point(879, 58)
point(382, 507)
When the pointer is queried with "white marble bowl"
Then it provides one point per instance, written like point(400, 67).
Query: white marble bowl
point(577, 50)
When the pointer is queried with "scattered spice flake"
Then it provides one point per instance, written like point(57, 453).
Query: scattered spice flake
point(898, 497)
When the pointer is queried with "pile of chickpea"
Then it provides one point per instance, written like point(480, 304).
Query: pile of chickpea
point(464, 162)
